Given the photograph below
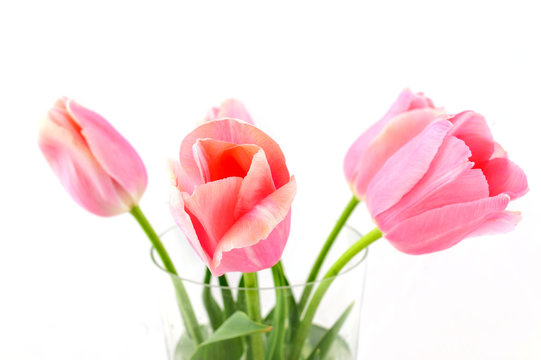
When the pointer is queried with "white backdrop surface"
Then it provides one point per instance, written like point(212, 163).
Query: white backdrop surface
point(314, 75)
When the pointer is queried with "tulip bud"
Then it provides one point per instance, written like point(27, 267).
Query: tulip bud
point(96, 165)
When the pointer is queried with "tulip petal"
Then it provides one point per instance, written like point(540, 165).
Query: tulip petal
point(499, 223)
point(256, 185)
point(354, 162)
point(236, 132)
point(389, 139)
point(211, 209)
point(406, 101)
point(114, 154)
point(448, 180)
point(357, 149)
point(504, 176)
point(218, 159)
point(441, 228)
point(405, 168)
point(59, 115)
point(420, 102)
point(253, 227)
point(230, 108)
point(184, 222)
point(78, 171)
point(472, 128)
point(212, 114)
point(264, 254)
point(499, 151)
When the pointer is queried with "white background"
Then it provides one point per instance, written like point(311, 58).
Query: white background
point(314, 75)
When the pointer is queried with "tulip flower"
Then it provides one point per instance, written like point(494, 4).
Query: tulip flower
point(96, 165)
point(448, 182)
point(232, 196)
point(406, 118)
point(230, 108)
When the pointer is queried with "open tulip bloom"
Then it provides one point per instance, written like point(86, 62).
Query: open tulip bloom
point(429, 180)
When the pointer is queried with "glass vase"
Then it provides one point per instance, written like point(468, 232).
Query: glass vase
point(335, 328)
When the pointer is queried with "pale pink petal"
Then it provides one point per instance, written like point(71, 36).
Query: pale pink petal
point(356, 152)
point(473, 129)
point(504, 176)
point(230, 108)
point(420, 101)
point(405, 168)
point(78, 171)
point(441, 228)
point(183, 180)
point(173, 170)
point(499, 223)
point(114, 154)
point(469, 186)
point(212, 114)
point(499, 151)
point(184, 222)
point(211, 209)
point(441, 185)
point(397, 132)
point(406, 101)
point(236, 132)
point(61, 103)
point(255, 226)
point(59, 115)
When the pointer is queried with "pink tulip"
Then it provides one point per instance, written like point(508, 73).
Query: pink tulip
point(95, 164)
point(233, 196)
point(448, 182)
point(406, 118)
point(230, 108)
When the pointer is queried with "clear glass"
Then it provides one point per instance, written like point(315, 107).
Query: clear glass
point(346, 289)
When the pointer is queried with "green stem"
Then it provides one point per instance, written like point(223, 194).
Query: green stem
point(215, 314)
point(186, 310)
point(254, 311)
point(325, 249)
point(306, 322)
point(227, 296)
point(275, 342)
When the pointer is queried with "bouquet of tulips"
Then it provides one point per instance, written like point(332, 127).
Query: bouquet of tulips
point(429, 180)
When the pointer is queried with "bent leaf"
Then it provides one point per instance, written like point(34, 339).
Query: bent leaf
point(226, 343)
point(328, 339)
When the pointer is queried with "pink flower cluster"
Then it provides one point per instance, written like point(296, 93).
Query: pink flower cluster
point(429, 179)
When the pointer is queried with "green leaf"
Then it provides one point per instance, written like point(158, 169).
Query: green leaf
point(339, 349)
point(328, 339)
point(226, 343)
point(186, 347)
point(215, 314)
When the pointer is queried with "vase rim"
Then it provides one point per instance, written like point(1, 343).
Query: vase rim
point(363, 254)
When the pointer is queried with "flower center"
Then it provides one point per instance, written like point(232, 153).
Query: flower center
point(219, 159)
